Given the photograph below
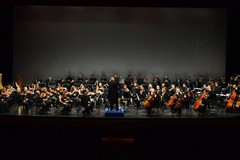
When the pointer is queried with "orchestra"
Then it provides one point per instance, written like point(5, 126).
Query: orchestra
point(170, 95)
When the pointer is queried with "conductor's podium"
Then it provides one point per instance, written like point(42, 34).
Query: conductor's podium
point(114, 113)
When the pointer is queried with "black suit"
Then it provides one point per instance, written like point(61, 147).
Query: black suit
point(113, 94)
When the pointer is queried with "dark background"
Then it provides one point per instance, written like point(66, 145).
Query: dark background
point(55, 40)
point(21, 42)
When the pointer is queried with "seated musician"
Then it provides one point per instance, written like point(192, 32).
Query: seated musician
point(207, 101)
point(80, 79)
point(29, 99)
point(171, 91)
point(64, 101)
point(103, 80)
point(74, 96)
point(125, 96)
point(86, 103)
point(140, 80)
point(217, 88)
point(152, 94)
point(163, 97)
point(167, 81)
point(129, 81)
point(92, 79)
point(156, 81)
point(142, 93)
point(178, 81)
point(157, 96)
point(179, 94)
point(98, 96)
point(189, 82)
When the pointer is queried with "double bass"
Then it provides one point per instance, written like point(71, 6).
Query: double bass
point(198, 102)
point(147, 103)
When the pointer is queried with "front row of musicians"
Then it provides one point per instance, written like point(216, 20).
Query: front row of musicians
point(175, 98)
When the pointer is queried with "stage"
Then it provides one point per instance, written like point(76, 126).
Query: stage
point(134, 136)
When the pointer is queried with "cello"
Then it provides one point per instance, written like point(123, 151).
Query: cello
point(198, 102)
point(147, 103)
point(231, 99)
point(179, 103)
point(172, 100)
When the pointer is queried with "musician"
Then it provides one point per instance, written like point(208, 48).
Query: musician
point(208, 100)
point(156, 81)
point(69, 77)
point(189, 82)
point(125, 96)
point(157, 96)
point(121, 83)
point(184, 87)
point(80, 79)
point(171, 91)
point(64, 100)
point(92, 79)
point(129, 81)
point(223, 82)
point(113, 93)
point(152, 94)
point(179, 94)
point(163, 97)
point(217, 88)
point(199, 81)
point(103, 80)
point(178, 81)
point(167, 81)
point(139, 80)
point(29, 98)
point(86, 103)
point(49, 81)
point(74, 94)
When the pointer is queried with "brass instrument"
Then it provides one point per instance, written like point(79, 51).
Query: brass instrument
point(1, 86)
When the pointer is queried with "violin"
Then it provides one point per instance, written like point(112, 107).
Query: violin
point(172, 100)
point(198, 102)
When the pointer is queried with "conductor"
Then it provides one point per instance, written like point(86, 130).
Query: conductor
point(113, 92)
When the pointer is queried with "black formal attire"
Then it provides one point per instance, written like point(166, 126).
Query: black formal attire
point(85, 102)
point(113, 94)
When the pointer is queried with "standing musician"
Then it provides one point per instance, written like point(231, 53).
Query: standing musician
point(113, 93)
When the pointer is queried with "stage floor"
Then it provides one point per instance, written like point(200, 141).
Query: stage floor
point(131, 112)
